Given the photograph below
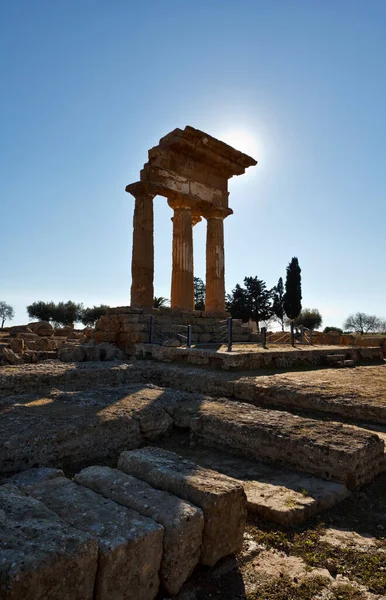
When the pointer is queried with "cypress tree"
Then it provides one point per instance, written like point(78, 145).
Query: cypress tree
point(278, 299)
point(293, 290)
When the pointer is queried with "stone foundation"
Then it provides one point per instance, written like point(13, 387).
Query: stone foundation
point(127, 326)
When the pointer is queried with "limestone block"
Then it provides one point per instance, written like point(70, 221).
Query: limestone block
point(40, 326)
point(60, 332)
point(8, 356)
point(29, 356)
point(27, 336)
point(16, 344)
point(126, 318)
point(183, 522)
point(221, 498)
point(326, 449)
point(42, 556)
point(31, 344)
point(35, 475)
point(130, 545)
point(102, 351)
point(204, 337)
point(13, 331)
point(72, 354)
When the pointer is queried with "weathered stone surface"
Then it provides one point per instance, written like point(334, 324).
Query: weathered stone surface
point(41, 556)
point(8, 356)
point(221, 498)
point(327, 449)
point(279, 495)
point(27, 335)
point(89, 352)
point(172, 343)
point(33, 476)
point(183, 522)
point(130, 545)
point(65, 429)
point(42, 328)
point(72, 354)
point(16, 344)
point(19, 329)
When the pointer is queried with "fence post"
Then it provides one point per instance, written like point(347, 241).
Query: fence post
point(264, 335)
point(229, 323)
point(292, 335)
point(302, 334)
point(189, 340)
point(310, 337)
point(151, 329)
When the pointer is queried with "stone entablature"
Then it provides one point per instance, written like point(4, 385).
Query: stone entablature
point(191, 169)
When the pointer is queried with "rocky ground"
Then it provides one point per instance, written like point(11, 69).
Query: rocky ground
point(339, 554)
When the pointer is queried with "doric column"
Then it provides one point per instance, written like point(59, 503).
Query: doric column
point(215, 272)
point(182, 270)
point(142, 263)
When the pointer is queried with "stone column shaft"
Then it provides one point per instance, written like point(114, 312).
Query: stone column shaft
point(142, 264)
point(182, 274)
point(215, 272)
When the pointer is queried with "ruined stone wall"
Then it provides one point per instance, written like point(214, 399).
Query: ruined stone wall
point(127, 326)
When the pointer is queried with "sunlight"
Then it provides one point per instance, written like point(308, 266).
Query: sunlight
point(242, 140)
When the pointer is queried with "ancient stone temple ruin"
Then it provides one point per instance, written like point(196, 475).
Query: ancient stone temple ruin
point(191, 169)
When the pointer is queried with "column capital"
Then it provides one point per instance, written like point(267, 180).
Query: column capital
point(196, 218)
point(216, 212)
point(141, 189)
point(178, 201)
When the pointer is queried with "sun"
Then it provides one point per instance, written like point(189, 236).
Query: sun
point(242, 140)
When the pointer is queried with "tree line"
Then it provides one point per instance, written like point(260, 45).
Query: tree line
point(65, 313)
point(250, 301)
point(254, 301)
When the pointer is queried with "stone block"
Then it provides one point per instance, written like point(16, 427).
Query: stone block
point(27, 336)
point(42, 556)
point(183, 522)
point(16, 329)
point(16, 345)
point(221, 498)
point(9, 357)
point(86, 427)
point(35, 475)
point(326, 449)
point(130, 545)
point(129, 318)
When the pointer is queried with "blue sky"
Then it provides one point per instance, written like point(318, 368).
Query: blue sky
point(88, 86)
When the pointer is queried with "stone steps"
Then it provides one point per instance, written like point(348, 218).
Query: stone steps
point(40, 554)
point(69, 429)
point(279, 495)
point(262, 390)
point(183, 522)
point(116, 535)
point(221, 498)
point(130, 546)
point(326, 449)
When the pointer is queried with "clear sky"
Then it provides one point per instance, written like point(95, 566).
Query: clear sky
point(88, 86)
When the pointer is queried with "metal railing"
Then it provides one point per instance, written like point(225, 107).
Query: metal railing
point(223, 334)
point(158, 336)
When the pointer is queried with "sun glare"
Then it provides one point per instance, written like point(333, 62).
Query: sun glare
point(241, 140)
